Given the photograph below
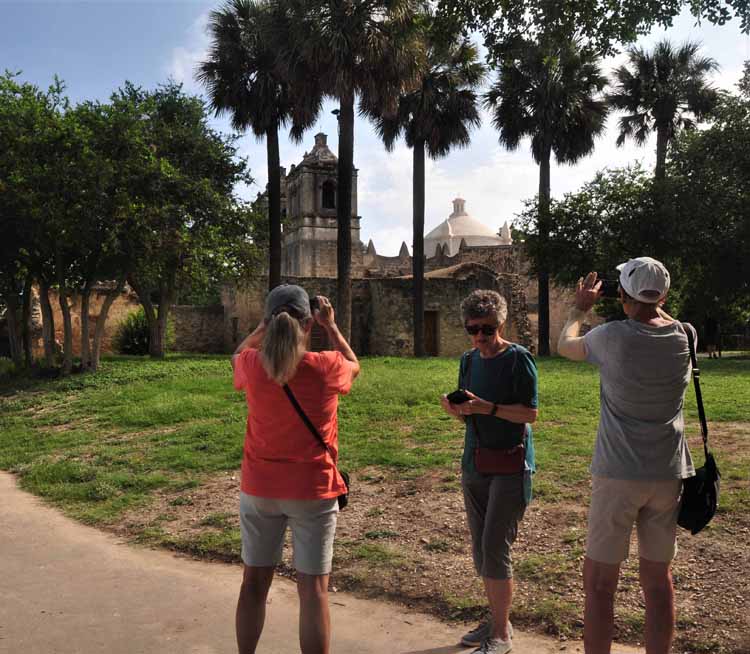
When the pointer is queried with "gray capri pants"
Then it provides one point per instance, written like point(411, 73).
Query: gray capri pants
point(494, 507)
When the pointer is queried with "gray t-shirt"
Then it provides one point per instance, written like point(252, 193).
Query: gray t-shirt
point(644, 371)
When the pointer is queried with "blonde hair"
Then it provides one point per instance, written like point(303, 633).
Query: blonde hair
point(283, 347)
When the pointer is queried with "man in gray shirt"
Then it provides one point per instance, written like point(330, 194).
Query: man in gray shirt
point(641, 456)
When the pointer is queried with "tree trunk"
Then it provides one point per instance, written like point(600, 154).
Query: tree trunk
point(274, 208)
point(26, 321)
point(14, 340)
point(158, 328)
point(101, 321)
point(344, 215)
point(418, 246)
point(67, 364)
point(85, 339)
point(662, 140)
point(144, 297)
point(542, 263)
point(48, 324)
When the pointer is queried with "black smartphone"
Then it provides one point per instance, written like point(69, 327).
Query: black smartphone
point(458, 397)
point(314, 304)
point(610, 288)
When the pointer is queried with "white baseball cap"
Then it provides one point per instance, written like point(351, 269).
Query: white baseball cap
point(644, 279)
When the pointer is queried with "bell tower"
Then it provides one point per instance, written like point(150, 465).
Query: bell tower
point(308, 244)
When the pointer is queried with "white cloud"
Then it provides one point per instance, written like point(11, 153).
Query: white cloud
point(185, 58)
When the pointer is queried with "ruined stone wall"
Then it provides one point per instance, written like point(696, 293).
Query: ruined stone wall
point(502, 259)
point(391, 326)
point(198, 329)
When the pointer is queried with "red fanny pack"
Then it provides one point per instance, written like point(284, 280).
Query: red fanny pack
point(500, 462)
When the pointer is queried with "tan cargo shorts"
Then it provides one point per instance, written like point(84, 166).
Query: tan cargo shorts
point(618, 504)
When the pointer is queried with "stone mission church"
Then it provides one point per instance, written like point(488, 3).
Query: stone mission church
point(462, 254)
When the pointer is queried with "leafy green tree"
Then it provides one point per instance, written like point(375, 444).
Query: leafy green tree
point(600, 23)
point(549, 93)
point(245, 77)
point(663, 92)
point(709, 173)
point(30, 124)
point(187, 197)
point(366, 49)
point(434, 117)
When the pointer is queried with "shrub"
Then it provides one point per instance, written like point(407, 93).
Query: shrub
point(7, 368)
point(132, 335)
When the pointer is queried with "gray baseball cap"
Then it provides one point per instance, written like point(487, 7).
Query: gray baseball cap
point(288, 296)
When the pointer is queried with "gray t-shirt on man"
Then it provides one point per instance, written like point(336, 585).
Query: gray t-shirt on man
point(644, 371)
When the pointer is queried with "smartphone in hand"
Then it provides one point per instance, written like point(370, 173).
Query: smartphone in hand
point(458, 397)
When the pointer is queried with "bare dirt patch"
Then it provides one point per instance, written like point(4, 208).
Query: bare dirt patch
point(406, 539)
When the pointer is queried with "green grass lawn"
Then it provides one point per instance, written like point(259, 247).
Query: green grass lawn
point(98, 444)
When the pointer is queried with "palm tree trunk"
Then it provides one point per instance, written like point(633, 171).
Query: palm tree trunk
point(542, 263)
point(662, 139)
point(344, 215)
point(274, 207)
point(418, 247)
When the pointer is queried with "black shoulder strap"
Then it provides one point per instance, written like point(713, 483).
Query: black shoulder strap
point(697, 384)
point(307, 421)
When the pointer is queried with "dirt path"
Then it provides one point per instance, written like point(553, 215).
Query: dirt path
point(71, 589)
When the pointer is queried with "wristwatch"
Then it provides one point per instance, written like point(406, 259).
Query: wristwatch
point(494, 409)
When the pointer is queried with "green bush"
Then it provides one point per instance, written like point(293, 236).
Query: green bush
point(7, 368)
point(132, 335)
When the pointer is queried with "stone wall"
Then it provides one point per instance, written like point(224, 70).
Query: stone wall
point(382, 310)
point(198, 329)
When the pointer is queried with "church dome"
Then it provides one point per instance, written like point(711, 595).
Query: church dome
point(457, 227)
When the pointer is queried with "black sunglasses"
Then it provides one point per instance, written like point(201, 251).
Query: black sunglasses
point(487, 330)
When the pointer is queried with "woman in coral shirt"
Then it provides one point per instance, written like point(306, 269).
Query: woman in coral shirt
point(288, 477)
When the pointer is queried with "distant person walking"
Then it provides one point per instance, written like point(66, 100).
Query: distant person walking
point(712, 337)
point(640, 456)
point(288, 478)
point(499, 380)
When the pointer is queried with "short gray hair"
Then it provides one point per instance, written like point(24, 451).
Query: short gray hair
point(484, 304)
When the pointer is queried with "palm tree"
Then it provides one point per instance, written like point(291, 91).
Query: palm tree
point(664, 91)
point(366, 49)
point(550, 94)
point(244, 77)
point(436, 116)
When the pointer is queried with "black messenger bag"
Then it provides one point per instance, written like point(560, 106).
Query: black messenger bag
point(700, 494)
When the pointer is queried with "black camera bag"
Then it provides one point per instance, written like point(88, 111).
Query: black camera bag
point(700, 494)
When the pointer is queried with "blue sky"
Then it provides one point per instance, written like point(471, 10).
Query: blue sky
point(95, 46)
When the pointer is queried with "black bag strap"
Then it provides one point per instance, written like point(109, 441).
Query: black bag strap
point(308, 422)
point(697, 384)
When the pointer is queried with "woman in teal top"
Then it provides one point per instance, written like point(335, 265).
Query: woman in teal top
point(500, 380)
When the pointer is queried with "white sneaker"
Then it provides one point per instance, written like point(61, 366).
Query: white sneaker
point(495, 646)
point(477, 636)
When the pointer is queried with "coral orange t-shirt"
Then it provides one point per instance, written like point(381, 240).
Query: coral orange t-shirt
point(282, 458)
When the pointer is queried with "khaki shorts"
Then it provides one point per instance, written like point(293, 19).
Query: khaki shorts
point(618, 504)
point(263, 523)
